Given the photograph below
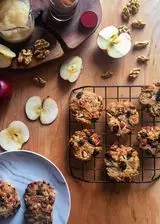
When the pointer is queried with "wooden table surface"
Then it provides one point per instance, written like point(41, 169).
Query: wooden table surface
point(92, 203)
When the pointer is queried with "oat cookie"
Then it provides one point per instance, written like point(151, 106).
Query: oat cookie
point(86, 107)
point(150, 100)
point(122, 117)
point(39, 198)
point(122, 163)
point(149, 139)
point(9, 201)
point(39, 192)
point(84, 144)
point(39, 214)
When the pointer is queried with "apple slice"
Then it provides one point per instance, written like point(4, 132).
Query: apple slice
point(116, 45)
point(71, 69)
point(49, 111)
point(6, 56)
point(14, 136)
point(33, 107)
point(46, 110)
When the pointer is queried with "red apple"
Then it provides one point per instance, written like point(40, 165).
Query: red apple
point(5, 90)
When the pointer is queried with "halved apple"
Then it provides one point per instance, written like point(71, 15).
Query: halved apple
point(6, 56)
point(46, 110)
point(14, 136)
point(71, 69)
point(33, 107)
point(114, 44)
point(49, 111)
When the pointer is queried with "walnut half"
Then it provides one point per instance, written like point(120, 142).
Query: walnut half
point(41, 49)
point(134, 73)
point(25, 56)
point(39, 81)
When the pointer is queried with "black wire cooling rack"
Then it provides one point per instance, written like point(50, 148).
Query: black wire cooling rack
point(94, 171)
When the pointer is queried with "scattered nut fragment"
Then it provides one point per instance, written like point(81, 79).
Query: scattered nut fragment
point(124, 29)
point(39, 81)
point(41, 49)
point(25, 56)
point(140, 45)
point(139, 24)
point(142, 59)
point(134, 73)
point(107, 75)
point(131, 8)
point(126, 14)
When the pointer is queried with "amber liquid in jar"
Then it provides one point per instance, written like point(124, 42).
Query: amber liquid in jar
point(62, 10)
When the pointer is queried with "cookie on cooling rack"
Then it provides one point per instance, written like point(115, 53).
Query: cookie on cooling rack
point(9, 201)
point(86, 107)
point(122, 117)
point(84, 144)
point(150, 99)
point(122, 163)
point(149, 139)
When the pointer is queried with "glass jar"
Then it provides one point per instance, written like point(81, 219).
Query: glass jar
point(16, 20)
point(62, 10)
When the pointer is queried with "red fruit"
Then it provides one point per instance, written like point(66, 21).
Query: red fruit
point(89, 19)
point(5, 90)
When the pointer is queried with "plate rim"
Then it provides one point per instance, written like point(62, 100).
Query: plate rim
point(45, 158)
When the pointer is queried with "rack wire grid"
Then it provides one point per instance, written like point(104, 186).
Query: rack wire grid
point(94, 171)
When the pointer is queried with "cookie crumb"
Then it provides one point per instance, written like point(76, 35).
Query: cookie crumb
point(142, 59)
point(134, 73)
point(107, 75)
point(39, 81)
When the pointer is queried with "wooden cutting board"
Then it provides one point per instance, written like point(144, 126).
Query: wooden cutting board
point(71, 33)
point(56, 50)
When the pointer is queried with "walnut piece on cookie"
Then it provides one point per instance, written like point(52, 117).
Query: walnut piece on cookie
point(9, 200)
point(122, 117)
point(122, 163)
point(84, 144)
point(150, 99)
point(86, 107)
point(149, 139)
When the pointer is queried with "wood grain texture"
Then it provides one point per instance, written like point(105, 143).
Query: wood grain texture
point(92, 203)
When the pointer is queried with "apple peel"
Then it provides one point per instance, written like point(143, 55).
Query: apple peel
point(116, 45)
point(46, 110)
point(13, 137)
